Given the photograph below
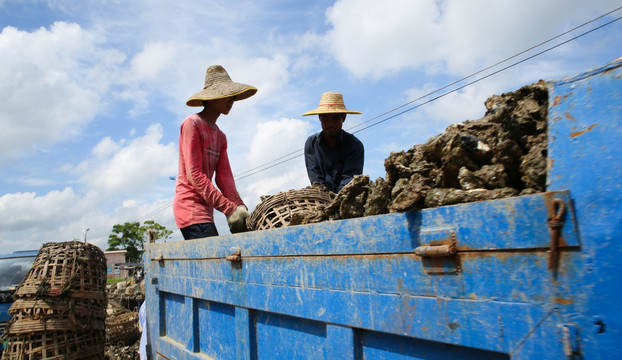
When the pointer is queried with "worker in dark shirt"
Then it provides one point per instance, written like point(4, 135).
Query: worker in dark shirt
point(333, 156)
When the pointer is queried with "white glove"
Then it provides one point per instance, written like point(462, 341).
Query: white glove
point(237, 220)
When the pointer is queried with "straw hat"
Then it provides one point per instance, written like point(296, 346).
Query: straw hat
point(331, 103)
point(219, 85)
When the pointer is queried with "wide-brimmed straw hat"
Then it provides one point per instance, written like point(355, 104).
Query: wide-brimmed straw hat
point(331, 103)
point(219, 85)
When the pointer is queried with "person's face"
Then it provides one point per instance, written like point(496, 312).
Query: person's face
point(223, 105)
point(331, 123)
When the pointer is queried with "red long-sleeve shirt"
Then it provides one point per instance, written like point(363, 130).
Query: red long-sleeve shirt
point(203, 151)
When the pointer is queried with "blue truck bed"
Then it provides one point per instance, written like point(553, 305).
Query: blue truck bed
point(483, 280)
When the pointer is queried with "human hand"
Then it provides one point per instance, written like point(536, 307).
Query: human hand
point(237, 219)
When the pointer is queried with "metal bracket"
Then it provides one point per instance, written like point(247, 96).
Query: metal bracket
point(236, 255)
point(159, 258)
point(557, 212)
point(441, 255)
point(436, 250)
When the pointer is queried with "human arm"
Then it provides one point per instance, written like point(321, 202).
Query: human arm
point(314, 171)
point(226, 182)
point(354, 160)
point(224, 176)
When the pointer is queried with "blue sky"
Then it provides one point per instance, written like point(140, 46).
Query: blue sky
point(92, 93)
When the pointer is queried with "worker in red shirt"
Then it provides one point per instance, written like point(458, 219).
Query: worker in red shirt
point(203, 153)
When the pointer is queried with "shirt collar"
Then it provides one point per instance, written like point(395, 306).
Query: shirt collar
point(339, 137)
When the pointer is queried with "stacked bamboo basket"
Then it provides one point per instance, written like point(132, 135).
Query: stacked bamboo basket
point(276, 211)
point(60, 308)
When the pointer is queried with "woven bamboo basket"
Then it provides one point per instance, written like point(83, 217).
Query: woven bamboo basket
point(59, 310)
point(276, 211)
point(40, 315)
point(123, 329)
point(66, 266)
point(56, 345)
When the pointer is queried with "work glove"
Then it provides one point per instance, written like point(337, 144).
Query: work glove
point(237, 219)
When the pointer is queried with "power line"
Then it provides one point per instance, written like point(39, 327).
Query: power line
point(297, 153)
point(152, 213)
point(239, 176)
point(263, 167)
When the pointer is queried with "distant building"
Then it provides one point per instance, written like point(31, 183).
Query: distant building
point(114, 261)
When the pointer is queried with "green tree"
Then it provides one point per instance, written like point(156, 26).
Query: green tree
point(159, 231)
point(131, 237)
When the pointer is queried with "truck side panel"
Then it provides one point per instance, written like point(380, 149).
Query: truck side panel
point(299, 291)
point(586, 131)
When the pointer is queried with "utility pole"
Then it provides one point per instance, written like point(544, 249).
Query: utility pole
point(85, 231)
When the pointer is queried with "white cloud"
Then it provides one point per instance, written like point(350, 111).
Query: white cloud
point(27, 210)
point(373, 38)
point(105, 147)
point(47, 94)
point(378, 37)
point(274, 144)
point(453, 106)
point(134, 166)
point(150, 62)
point(30, 220)
point(149, 75)
point(275, 138)
point(125, 180)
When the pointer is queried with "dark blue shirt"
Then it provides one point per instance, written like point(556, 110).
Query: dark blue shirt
point(336, 166)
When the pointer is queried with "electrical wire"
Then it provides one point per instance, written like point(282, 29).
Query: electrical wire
point(152, 213)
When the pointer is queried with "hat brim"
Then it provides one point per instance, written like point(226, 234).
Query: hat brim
point(319, 111)
point(221, 91)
